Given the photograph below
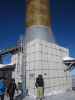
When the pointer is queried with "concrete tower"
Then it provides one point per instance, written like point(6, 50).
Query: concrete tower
point(38, 20)
point(42, 56)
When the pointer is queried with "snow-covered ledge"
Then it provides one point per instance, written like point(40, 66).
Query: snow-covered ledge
point(7, 66)
point(70, 62)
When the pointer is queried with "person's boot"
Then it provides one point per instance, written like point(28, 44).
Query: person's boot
point(40, 98)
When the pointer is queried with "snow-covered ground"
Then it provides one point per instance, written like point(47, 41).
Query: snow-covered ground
point(66, 96)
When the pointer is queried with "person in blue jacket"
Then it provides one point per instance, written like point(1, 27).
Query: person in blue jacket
point(2, 88)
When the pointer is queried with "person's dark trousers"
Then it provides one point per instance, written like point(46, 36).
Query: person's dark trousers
point(12, 97)
point(2, 97)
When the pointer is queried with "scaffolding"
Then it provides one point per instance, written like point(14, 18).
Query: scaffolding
point(22, 53)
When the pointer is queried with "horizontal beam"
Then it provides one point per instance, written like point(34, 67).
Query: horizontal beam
point(71, 66)
point(7, 51)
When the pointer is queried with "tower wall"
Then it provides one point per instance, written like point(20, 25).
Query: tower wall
point(45, 58)
point(41, 55)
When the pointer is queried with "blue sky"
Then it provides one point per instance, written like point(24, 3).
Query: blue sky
point(12, 22)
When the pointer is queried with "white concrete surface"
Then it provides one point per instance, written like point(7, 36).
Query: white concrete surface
point(66, 96)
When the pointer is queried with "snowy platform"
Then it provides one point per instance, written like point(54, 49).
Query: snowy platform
point(66, 96)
